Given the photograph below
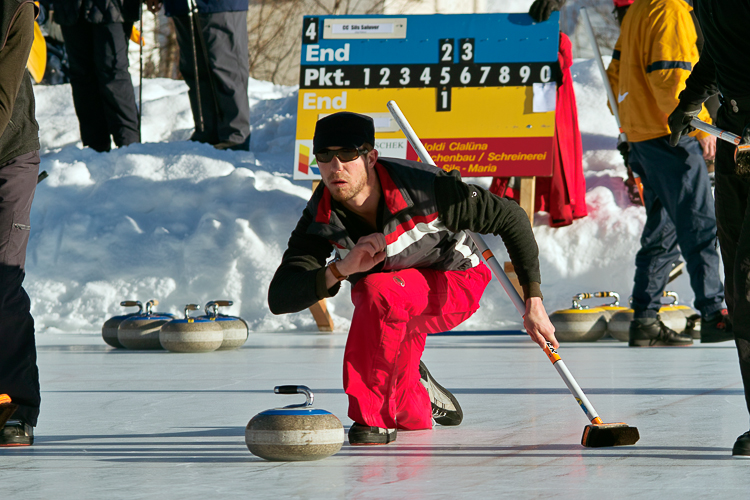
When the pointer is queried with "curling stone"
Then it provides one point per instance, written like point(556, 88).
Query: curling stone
point(235, 329)
point(109, 328)
point(611, 308)
point(295, 432)
point(618, 325)
point(675, 315)
point(579, 323)
point(191, 334)
point(141, 332)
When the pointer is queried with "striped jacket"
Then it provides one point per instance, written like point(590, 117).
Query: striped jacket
point(425, 214)
point(653, 57)
point(414, 234)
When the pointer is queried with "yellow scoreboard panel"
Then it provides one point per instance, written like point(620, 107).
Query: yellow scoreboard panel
point(478, 89)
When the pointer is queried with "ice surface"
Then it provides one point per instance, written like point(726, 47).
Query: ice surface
point(143, 425)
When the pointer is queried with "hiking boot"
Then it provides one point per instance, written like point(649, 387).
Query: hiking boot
point(445, 407)
point(651, 332)
point(716, 328)
point(741, 448)
point(361, 435)
point(16, 433)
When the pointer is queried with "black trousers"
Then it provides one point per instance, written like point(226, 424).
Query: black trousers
point(223, 78)
point(733, 224)
point(19, 376)
point(103, 93)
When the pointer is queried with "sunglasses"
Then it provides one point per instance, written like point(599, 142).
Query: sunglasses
point(344, 155)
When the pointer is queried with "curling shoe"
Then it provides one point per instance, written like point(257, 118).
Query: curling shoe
point(741, 448)
point(445, 407)
point(16, 433)
point(651, 332)
point(716, 328)
point(364, 435)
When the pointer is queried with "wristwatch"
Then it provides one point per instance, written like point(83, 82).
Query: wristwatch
point(335, 271)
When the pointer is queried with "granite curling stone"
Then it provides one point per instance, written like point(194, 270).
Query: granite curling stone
point(618, 325)
point(675, 315)
point(109, 328)
point(579, 323)
point(295, 432)
point(141, 332)
point(235, 329)
point(191, 334)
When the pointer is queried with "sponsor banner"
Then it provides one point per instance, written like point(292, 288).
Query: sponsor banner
point(491, 157)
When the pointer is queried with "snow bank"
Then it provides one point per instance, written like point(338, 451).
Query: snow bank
point(183, 222)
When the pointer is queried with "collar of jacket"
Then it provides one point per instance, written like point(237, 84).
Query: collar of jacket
point(394, 194)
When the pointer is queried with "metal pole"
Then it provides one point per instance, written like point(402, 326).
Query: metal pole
point(191, 14)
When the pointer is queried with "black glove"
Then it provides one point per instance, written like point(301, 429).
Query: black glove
point(679, 120)
point(624, 148)
point(540, 10)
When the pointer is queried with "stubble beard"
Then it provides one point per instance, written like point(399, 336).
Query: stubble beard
point(351, 190)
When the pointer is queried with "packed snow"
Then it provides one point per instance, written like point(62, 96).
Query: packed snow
point(182, 222)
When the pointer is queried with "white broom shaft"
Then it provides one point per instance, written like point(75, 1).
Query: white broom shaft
point(499, 273)
point(720, 133)
point(600, 65)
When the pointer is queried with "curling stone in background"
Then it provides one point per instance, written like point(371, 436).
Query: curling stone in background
point(579, 323)
point(109, 328)
point(610, 309)
point(675, 315)
point(141, 332)
point(693, 326)
point(191, 334)
point(235, 329)
point(618, 325)
point(295, 432)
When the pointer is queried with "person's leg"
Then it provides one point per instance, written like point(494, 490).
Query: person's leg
point(115, 86)
point(685, 192)
point(225, 35)
point(658, 241)
point(187, 65)
point(88, 103)
point(733, 225)
point(19, 376)
point(394, 311)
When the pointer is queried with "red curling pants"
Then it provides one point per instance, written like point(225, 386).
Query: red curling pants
point(393, 313)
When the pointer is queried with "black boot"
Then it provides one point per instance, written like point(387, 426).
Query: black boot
point(741, 448)
point(445, 407)
point(360, 434)
point(716, 328)
point(651, 332)
point(16, 433)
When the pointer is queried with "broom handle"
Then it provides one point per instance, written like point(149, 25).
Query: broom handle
point(600, 65)
point(493, 264)
point(719, 133)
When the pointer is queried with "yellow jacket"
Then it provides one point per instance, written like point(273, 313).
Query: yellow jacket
point(653, 57)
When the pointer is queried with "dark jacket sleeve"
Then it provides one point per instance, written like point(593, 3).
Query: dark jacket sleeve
point(13, 58)
point(299, 281)
point(467, 207)
point(701, 84)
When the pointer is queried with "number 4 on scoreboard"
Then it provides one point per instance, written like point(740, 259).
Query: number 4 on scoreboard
point(310, 30)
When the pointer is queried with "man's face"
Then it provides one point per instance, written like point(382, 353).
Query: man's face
point(346, 180)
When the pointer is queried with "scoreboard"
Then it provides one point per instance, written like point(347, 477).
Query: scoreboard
point(478, 89)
